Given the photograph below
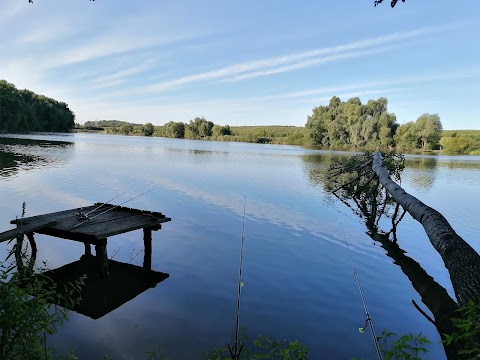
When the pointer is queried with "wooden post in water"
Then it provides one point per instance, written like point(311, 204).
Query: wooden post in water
point(102, 260)
point(18, 253)
point(88, 249)
point(33, 244)
point(147, 240)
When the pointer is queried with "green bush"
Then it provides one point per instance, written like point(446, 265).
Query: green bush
point(26, 313)
point(263, 348)
point(468, 334)
point(455, 145)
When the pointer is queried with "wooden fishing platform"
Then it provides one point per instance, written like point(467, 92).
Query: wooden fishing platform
point(91, 225)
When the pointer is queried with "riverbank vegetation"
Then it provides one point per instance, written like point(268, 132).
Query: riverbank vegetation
point(25, 111)
point(340, 125)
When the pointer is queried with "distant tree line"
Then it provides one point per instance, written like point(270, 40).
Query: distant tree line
point(198, 128)
point(338, 125)
point(108, 123)
point(353, 124)
point(24, 110)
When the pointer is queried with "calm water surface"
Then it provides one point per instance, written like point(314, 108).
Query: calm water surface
point(298, 279)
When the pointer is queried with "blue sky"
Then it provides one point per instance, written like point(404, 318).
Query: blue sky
point(244, 62)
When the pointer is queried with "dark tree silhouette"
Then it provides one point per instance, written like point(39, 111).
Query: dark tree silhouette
point(392, 4)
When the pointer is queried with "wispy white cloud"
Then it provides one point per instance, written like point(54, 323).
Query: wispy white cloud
point(412, 79)
point(178, 109)
point(299, 60)
point(346, 96)
point(108, 45)
point(308, 63)
point(120, 76)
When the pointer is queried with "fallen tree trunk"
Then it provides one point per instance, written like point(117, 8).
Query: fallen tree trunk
point(433, 295)
point(461, 260)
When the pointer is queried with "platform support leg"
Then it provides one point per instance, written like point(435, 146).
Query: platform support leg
point(102, 260)
point(147, 241)
point(18, 254)
point(32, 242)
point(33, 255)
point(88, 249)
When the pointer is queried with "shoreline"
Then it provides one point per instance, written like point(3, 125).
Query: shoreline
point(233, 138)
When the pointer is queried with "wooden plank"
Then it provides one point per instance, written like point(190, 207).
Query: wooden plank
point(92, 233)
point(100, 230)
point(55, 216)
point(104, 221)
point(136, 211)
point(64, 234)
point(73, 224)
point(32, 226)
point(113, 220)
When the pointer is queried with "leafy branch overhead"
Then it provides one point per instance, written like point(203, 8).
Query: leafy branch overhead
point(392, 3)
point(375, 3)
point(31, 1)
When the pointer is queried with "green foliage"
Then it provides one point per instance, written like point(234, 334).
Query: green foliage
point(156, 355)
point(148, 129)
point(174, 130)
point(468, 334)
point(284, 350)
point(392, 2)
point(370, 126)
point(263, 348)
point(353, 182)
point(406, 347)
point(198, 128)
point(460, 141)
point(353, 123)
point(219, 131)
point(26, 315)
point(455, 145)
point(405, 136)
point(126, 129)
point(428, 128)
point(341, 124)
point(423, 134)
point(23, 111)
point(275, 134)
point(108, 123)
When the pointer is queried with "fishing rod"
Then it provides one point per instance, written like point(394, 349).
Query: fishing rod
point(107, 203)
point(368, 319)
point(114, 207)
point(235, 351)
point(82, 216)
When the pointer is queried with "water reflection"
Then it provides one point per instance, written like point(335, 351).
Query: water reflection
point(423, 163)
point(425, 171)
point(433, 295)
point(98, 295)
point(364, 196)
point(10, 162)
point(25, 154)
point(316, 165)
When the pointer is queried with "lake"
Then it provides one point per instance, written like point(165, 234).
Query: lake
point(298, 280)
